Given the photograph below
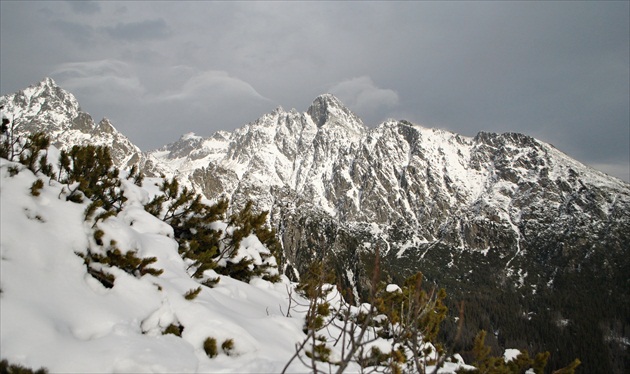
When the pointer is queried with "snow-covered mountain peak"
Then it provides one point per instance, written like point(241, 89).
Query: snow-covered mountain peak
point(48, 108)
point(46, 87)
point(184, 146)
point(189, 136)
point(278, 109)
point(328, 110)
point(48, 82)
point(106, 127)
point(49, 102)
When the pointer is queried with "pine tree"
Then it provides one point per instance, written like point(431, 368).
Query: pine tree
point(4, 127)
point(192, 221)
point(228, 346)
point(34, 153)
point(7, 139)
point(88, 171)
point(206, 247)
point(98, 263)
point(486, 363)
point(192, 294)
point(31, 152)
point(241, 225)
point(175, 329)
point(569, 369)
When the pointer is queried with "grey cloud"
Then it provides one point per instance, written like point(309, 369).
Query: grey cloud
point(188, 99)
point(363, 97)
point(215, 84)
point(558, 71)
point(88, 69)
point(84, 6)
point(206, 101)
point(616, 169)
point(101, 82)
point(77, 32)
point(142, 30)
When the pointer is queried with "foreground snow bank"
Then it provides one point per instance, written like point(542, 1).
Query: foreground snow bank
point(54, 314)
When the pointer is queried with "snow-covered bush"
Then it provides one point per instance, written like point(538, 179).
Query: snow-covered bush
point(36, 187)
point(88, 171)
point(191, 294)
point(31, 152)
point(241, 248)
point(256, 262)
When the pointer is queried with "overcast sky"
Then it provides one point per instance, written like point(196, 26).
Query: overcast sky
point(558, 71)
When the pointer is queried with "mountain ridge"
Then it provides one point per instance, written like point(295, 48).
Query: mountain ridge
point(509, 216)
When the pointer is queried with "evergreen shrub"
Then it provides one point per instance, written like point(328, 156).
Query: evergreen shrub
point(192, 294)
point(174, 329)
point(210, 347)
point(37, 187)
point(8, 368)
point(207, 247)
point(228, 346)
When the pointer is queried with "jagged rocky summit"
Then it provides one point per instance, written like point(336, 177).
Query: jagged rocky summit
point(49, 108)
point(495, 218)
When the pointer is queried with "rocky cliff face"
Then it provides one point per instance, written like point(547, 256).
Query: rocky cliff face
point(514, 227)
point(409, 186)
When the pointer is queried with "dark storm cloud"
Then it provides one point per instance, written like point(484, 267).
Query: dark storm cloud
point(559, 71)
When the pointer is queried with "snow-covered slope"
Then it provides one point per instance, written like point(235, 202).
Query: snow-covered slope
point(55, 315)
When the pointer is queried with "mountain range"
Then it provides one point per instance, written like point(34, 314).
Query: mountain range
point(532, 244)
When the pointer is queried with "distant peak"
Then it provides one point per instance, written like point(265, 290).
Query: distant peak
point(105, 126)
point(327, 99)
point(278, 109)
point(49, 88)
point(327, 96)
point(188, 136)
point(45, 83)
point(327, 106)
point(48, 82)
